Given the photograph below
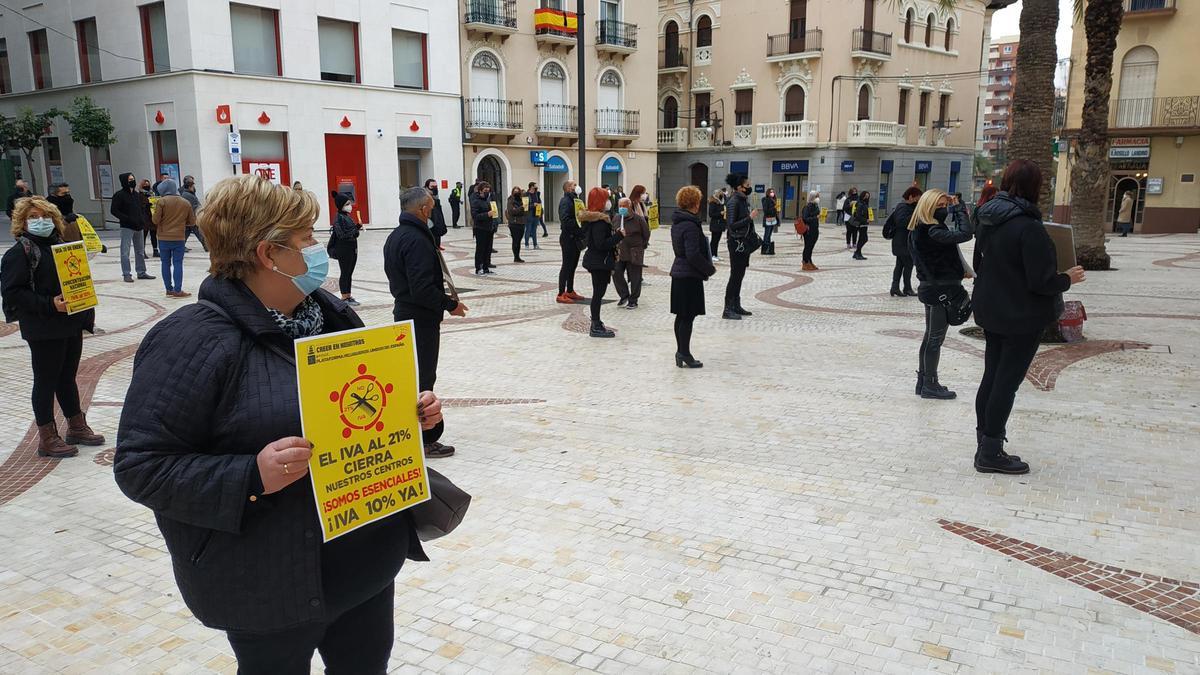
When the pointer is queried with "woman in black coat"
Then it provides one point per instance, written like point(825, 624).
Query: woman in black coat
point(343, 244)
point(716, 221)
point(933, 244)
point(1015, 296)
point(770, 209)
point(32, 295)
point(692, 267)
point(742, 241)
point(860, 218)
point(811, 215)
point(600, 259)
point(210, 441)
point(517, 213)
point(896, 229)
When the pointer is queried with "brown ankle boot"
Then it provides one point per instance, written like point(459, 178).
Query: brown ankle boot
point(79, 433)
point(51, 445)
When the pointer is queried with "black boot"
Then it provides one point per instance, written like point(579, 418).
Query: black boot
point(931, 388)
point(742, 310)
point(991, 458)
point(920, 382)
point(772, 248)
point(979, 441)
point(687, 361)
point(895, 292)
point(599, 330)
point(766, 248)
point(730, 314)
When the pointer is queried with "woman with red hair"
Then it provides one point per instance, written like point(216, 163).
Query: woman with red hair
point(602, 239)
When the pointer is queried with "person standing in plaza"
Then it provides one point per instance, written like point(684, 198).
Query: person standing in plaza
point(20, 191)
point(847, 217)
point(147, 198)
point(456, 199)
point(534, 217)
point(227, 478)
point(437, 219)
point(896, 229)
point(742, 241)
point(483, 223)
point(173, 215)
point(811, 215)
point(860, 218)
point(602, 238)
point(189, 193)
point(571, 241)
point(716, 222)
point(631, 253)
point(1017, 288)
point(691, 268)
point(343, 244)
point(839, 205)
point(417, 279)
point(126, 207)
point(32, 296)
point(933, 244)
point(60, 197)
point(1125, 215)
point(770, 208)
point(517, 213)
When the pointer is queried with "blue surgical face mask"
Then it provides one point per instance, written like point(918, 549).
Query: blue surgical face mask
point(40, 227)
point(624, 210)
point(317, 260)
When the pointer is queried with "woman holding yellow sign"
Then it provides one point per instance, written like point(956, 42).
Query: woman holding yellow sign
point(33, 295)
point(210, 439)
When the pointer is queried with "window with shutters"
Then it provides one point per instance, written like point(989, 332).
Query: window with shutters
point(793, 104)
point(924, 112)
point(409, 54)
point(89, 50)
point(949, 35)
point(255, 33)
point(704, 34)
point(864, 102)
point(743, 108)
point(902, 114)
point(944, 109)
point(338, 43)
point(929, 31)
point(703, 108)
point(909, 18)
point(39, 52)
point(5, 74)
point(155, 52)
point(670, 113)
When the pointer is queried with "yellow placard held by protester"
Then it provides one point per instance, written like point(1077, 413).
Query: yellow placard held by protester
point(493, 210)
point(870, 215)
point(824, 214)
point(652, 216)
point(525, 203)
point(75, 276)
point(91, 240)
point(358, 407)
point(537, 209)
point(580, 207)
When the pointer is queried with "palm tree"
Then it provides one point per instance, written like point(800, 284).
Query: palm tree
point(1033, 97)
point(1091, 173)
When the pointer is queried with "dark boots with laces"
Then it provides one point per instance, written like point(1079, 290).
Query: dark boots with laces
point(990, 457)
point(929, 387)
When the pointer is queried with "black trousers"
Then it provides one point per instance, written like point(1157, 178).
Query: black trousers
point(55, 364)
point(195, 229)
point(810, 242)
point(738, 264)
point(936, 324)
point(904, 268)
point(483, 248)
point(428, 333)
point(851, 234)
point(347, 261)
point(716, 238)
point(455, 213)
point(517, 232)
point(1006, 360)
point(358, 642)
point(153, 235)
point(627, 279)
point(862, 239)
point(570, 262)
point(600, 279)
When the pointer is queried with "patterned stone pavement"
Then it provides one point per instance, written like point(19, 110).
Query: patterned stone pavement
point(790, 508)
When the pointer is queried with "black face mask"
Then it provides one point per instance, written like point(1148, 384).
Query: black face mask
point(433, 190)
point(941, 213)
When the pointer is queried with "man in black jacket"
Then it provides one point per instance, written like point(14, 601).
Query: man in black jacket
point(896, 229)
point(417, 280)
point(437, 221)
point(21, 191)
point(569, 240)
point(485, 227)
point(126, 207)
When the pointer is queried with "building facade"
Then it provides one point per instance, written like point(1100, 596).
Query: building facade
point(1154, 118)
point(361, 97)
point(997, 104)
point(520, 81)
point(820, 94)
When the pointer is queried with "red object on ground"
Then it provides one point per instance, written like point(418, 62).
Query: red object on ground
point(1071, 322)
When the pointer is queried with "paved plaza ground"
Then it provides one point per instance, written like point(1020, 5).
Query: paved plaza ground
point(790, 508)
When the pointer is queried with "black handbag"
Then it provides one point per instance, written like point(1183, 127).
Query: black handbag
point(957, 303)
point(443, 512)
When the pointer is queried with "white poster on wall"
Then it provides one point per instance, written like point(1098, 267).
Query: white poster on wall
point(104, 175)
point(272, 171)
point(56, 174)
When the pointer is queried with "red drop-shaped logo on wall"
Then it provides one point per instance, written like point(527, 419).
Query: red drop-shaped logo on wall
point(345, 123)
point(159, 117)
point(264, 118)
point(414, 127)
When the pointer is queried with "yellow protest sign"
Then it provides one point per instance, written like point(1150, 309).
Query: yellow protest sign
point(537, 210)
point(580, 207)
point(75, 276)
point(91, 240)
point(870, 215)
point(824, 215)
point(358, 407)
point(652, 216)
point(525, 203)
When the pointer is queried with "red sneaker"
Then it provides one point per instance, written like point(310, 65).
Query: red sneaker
point(564, 299)
point(575, 296)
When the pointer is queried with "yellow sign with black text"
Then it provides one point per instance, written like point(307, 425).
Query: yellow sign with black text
point(91, 240)
point(75, 276)
point(358, 407)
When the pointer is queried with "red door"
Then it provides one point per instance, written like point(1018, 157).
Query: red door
point(346, 171)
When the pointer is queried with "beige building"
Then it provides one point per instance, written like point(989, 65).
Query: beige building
point(1001, 82)
point(1154, 117)
point(520, 81)
point(803, 94)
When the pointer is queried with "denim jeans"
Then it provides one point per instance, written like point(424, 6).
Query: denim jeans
point(768, 230)
point(132, 238)
point(171, 253)
point(531, 229)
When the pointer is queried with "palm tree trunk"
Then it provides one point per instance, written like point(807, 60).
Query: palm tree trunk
point(1091, 173)
point(1033, 99)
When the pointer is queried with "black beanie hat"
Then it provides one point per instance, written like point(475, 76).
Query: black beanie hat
point(735, 180)
point(340, 199)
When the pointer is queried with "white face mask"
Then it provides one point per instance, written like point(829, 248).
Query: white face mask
point(348, 207)
point(578, 190)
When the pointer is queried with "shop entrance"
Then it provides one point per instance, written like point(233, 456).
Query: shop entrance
point(1118, 186)
point(795, 195)
point(346, 172)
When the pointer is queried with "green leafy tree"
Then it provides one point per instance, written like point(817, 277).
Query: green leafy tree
point(984, 166)
point(91, 127)
point(25, 132)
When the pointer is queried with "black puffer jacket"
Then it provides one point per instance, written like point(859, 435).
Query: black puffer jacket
point(205, 398)
point(414, 272)
point(602, 241)
point(716, 215)
point(896, 228)
point(33, 305)
point(481, 212)
point(691, 250)
point(345, 232)
point(1016, 267)
point(934, 250)
point(567, 219)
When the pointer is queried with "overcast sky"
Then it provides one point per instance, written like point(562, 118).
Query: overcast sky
point(1008, 22)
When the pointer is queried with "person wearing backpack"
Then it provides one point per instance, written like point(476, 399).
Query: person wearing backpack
point(32, 295)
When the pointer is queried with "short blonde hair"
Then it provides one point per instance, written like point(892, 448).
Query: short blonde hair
point(688, 198)
point(243, 211)
point(24, 205)
point(925, 208)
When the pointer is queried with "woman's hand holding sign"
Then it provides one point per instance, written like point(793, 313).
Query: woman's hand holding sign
point(429, 410)
point(283, 462)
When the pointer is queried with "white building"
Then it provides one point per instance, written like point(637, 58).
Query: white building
point(361, 96)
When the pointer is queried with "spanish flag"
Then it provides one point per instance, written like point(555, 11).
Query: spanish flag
point(556, 20)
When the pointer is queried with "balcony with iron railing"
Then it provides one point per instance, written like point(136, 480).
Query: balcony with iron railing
point(1141, 8)
point(1167, 113)
point(556, 120)
point(491, 17)
point(673, 60)
point(494, 116)
point(786, 47)
point(616, 37)
point(615, 124)
point(553, 26)
point(868, 44)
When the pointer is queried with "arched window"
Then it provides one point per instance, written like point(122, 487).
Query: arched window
point(1139, 78)
point(929, 31)
point(552, 110)
point(949, 34)
point(793, 104)
point(608, 102)
point(909, 17)
point(670, 113)
point(485, 106)
point(671, 43)
point(864, 102)
point(704, 32)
